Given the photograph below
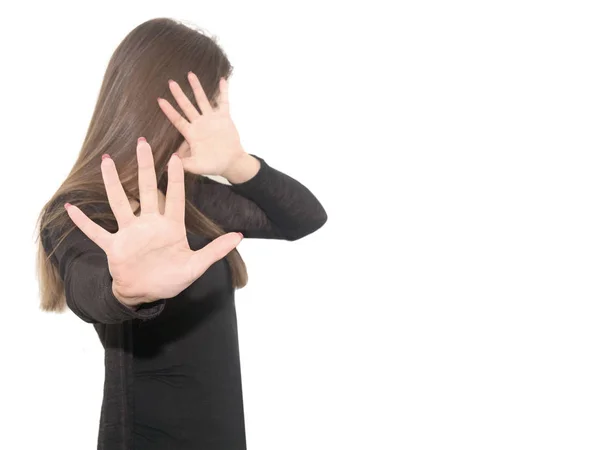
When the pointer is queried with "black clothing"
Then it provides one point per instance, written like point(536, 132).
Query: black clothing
point(172, 367)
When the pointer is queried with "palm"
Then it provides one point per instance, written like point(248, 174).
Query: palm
point(145, 253)
point(212, 142)
point(149, 257)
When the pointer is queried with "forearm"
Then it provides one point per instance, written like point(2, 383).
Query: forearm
point(89, 293)
point(267, 204)
point(289, 205)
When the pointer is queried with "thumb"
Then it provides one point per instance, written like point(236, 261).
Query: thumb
point(184, 149)
point(190, 164)
point(220, 247)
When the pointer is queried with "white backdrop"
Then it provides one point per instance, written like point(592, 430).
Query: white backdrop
point(452, 299)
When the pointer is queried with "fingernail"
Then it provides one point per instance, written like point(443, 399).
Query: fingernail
point(106, 155)
point(241, 235)
point(171, 82)
point(67, 205)
point(158, 99)
point(141, 139)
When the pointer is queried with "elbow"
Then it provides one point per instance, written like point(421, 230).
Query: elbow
point(308, 227)
point(72, 305)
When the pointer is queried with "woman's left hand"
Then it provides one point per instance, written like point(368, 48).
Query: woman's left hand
point(212, 144)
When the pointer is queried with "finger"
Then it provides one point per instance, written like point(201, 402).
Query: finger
point(91, 229)
point(199, 93)
point(202, 259)
point(116, 194)
point(224, 96)
point(146, 178)
point(183, 101)
point(175, 198)
point(174, 117)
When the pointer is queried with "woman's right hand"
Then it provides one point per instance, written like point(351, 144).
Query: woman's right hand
point(149, 257)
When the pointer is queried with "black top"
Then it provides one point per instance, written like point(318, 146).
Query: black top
point(172, 367)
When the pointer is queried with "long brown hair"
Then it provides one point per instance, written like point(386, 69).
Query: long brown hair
point(138, 72)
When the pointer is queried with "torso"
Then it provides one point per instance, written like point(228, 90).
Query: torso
point(186, 368)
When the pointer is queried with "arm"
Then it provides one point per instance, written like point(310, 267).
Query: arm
point(83, 267)
point(269, 205)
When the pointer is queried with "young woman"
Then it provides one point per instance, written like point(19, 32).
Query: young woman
point(140, 243)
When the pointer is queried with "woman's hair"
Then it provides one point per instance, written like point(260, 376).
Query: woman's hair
point(138, 72)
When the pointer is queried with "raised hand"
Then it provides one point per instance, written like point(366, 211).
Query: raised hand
point(212, 144)
point(149, 257)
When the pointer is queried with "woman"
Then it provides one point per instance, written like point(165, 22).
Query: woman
point(144, 247)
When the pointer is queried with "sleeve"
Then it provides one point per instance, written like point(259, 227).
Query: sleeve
point(83, 267)
point(270, 205)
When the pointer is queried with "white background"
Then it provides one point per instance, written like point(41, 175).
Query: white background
point(452, 299)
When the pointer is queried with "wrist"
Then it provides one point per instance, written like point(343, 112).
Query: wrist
point(131, 303)
point(242, 169)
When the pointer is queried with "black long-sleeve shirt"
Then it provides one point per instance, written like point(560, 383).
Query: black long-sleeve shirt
point(172, 367)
